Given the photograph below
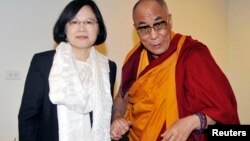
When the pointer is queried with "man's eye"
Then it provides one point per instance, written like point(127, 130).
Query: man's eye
point(157, 24)
point(143, 27)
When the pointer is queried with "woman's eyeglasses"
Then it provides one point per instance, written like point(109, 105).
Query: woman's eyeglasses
point(77, 23)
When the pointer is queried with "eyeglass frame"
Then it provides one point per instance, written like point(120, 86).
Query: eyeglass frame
point(149, 28)
point(78, 22)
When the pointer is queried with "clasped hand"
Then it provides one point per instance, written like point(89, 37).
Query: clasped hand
point(119, 127)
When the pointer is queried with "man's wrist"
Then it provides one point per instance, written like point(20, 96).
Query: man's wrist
point(203, 122)
point(117, 115)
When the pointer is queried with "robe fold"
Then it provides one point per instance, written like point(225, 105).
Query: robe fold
point(180, 82)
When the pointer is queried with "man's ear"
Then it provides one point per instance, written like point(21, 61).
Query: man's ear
point(170, 21)
point(134, 26)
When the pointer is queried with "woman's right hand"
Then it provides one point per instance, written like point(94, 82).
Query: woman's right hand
point(119, 127)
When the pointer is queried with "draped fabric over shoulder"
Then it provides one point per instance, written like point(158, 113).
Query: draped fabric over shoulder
point(78, 88)
point(172, 86)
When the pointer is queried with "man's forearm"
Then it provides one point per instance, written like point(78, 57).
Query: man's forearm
point(119, 107)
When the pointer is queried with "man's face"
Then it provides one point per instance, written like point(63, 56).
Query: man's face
point(153, 24)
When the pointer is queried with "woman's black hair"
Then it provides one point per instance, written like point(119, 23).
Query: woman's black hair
point(69, 13)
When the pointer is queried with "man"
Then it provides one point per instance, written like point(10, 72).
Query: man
point(171, 88)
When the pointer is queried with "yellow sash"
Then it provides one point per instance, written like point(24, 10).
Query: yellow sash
point(152, 98)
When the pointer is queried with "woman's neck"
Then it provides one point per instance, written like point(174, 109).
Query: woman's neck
point(81, 54)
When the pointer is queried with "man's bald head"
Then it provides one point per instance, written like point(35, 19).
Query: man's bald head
point(142, 2)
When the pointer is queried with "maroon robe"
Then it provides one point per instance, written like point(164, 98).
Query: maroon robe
point(201, 86)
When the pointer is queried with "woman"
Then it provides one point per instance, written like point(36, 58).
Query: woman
point(68, 91)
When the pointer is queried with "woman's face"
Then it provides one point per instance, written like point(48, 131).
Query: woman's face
point(83, 29)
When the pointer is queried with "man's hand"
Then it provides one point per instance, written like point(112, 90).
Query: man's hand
point(119, 127)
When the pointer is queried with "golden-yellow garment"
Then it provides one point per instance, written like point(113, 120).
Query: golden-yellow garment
point(152, 97)
point(191, 85)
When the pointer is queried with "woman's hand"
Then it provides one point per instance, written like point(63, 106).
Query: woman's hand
point(119, 127)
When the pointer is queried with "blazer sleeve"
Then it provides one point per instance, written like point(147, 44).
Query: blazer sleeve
point(112, 76)
point(31, 105)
